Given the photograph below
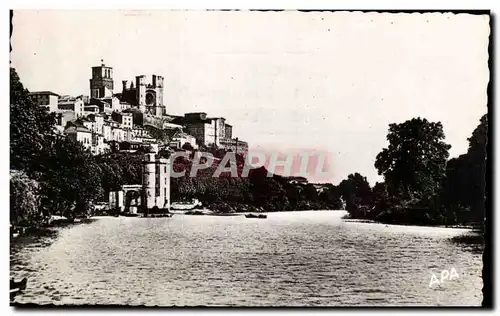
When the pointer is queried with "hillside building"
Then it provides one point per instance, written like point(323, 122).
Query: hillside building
point(48, 99)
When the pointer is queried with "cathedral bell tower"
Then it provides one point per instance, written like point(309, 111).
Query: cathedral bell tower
point(101, 84)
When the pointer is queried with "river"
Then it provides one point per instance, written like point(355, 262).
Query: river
point(312, 258)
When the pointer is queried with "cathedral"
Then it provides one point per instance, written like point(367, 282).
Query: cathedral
point(146, 96)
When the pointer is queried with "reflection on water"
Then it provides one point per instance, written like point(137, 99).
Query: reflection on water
point(290, 259)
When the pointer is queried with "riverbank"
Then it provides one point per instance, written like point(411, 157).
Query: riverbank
point(472, 236)
point(46, 229)
point(370, 221)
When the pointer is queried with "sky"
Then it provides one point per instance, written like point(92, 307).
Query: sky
point(287, 81)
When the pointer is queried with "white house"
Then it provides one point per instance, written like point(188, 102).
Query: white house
point(80, 134)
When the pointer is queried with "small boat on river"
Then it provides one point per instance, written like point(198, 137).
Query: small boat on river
point(157, 215)
point(194, 213)
point(255, 215)
point(185, 206)
point(226, 214)
point(129, 214)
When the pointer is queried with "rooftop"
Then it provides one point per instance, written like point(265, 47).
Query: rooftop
point(68, 102)
point(62, 111)
point(75, 129)
point(44, 93)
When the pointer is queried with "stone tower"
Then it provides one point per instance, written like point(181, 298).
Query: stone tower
point(162, 183)
point(149, 179)
point(140, 88)
point(149, 96)
point(155, 181)
point(101, 83)
point(168, 169)
point(157, 86)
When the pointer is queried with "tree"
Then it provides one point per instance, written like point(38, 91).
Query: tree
point(72, 179)
point(31, 128)
point(464, 187)
point(455, 189)
point(415, 162)
point(380, 198)
point(111, 173)
point(310, 193)
point(293, 193)
point(479, 140)
point(267, 192)
point(477, 155)
point(64, 173)
point(24, 198)
point(356, 191)
point(331, 197)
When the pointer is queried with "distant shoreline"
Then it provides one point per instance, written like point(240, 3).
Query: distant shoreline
point(369, 221)
point(347, 218)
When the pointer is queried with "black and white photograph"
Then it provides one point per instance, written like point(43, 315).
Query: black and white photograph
point(249, 158)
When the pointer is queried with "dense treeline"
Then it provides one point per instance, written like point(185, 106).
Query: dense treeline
point(421, 186)
point(271, 194)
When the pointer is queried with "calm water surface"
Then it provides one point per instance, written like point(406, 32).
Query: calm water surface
point(294, 259)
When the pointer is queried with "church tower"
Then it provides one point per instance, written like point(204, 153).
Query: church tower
point(149, 96)
point(101, 84)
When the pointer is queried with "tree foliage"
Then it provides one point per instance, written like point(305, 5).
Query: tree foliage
point(477, 154)
point(24, 198)
point(421, 186)
point(66, 174)
point(72, 179)
point(465, 183)
point(415, 162)
point(31, 128)
point(357, 194)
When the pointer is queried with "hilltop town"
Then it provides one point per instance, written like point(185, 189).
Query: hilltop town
point(109, 121)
